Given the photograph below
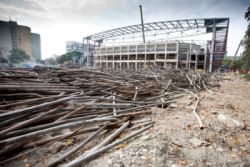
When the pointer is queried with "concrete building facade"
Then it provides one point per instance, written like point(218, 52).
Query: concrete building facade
point(24, 39)
point(13, 35)
point(170, 54)
point(5, 37)
point(36, 46)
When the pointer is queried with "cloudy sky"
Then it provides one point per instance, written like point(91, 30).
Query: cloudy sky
point(58, 21)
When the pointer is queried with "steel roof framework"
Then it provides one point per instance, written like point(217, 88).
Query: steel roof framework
point(173, 29)
point(166, 26)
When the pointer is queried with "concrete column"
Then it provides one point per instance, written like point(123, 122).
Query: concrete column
point(212, 48)
point(136, 60)
point(177, 55)
point(187, 61)
point(196, 61)
point(154, 60)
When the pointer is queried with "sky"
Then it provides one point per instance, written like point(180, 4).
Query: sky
point(58, 21)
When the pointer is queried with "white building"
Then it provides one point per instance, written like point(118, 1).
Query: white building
point(169, 54)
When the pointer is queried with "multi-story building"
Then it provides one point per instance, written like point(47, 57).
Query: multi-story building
point(5, 37)
point(170, 54)
point(24, 39)
point(36, 46)
point(13, 35)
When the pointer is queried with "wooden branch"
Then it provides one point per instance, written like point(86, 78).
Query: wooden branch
point(75, 149)
point(83, 159)
point(25, 110)
point(29, 121)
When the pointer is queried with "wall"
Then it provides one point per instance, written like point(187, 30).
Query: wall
point(36, 46)
point(5, 37)
point(24, 39)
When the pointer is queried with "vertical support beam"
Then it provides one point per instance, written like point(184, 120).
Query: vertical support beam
point(212, 48)
point(142, 24)
point(113, 61)
point(84, 53)
point(177, 55)
point(88, 52)
point(166, 48)
point(155, 56)
point(155, 59)
point(189, 56)
point(187, 60)
point(205, 60)
point(120, 61)
point(128, 66)
point(136, 61)
point(196, 60)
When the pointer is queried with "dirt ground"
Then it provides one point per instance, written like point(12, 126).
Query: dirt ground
point(176, 139)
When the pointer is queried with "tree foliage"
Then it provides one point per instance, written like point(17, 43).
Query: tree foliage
point(226, 62)
point(246, 54)
point(18, 56)
point(68, 57)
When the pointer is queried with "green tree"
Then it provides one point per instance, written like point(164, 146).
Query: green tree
point(226, 62)
point(18, 56)
point(68, 57)
point(246, 54)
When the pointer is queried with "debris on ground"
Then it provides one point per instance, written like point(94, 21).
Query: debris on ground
point(70, 117)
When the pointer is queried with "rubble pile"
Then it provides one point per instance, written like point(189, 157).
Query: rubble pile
point(90, 103)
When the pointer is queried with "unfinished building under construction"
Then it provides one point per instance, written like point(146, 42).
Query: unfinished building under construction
point(189, 44)
point(166, 54)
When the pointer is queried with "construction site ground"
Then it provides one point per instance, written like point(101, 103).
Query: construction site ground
point(176, 139)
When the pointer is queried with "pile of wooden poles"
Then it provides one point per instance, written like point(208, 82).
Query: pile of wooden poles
point(43, 101)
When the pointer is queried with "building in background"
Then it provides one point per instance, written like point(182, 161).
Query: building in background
point(171, 43)
point(169, 54)
point(36, 46)
point(17, 36)
point(24, 40)
point(5, 38)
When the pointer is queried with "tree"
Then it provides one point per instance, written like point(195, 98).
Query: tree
point(226, 62)
point(18, 56)
point(246, 54)
point(68, 57)
point(239, 63)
